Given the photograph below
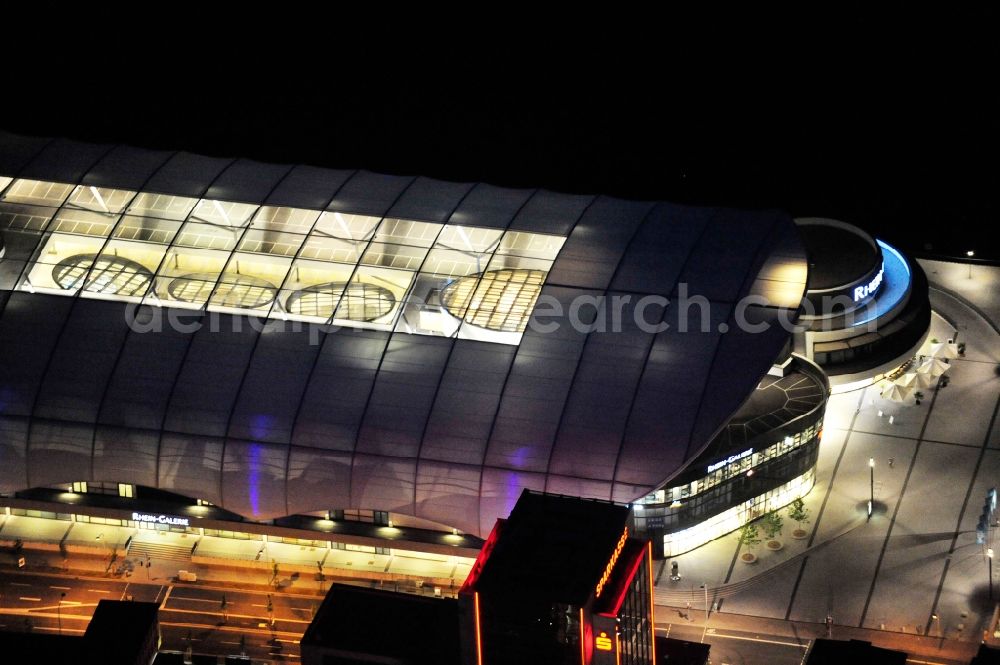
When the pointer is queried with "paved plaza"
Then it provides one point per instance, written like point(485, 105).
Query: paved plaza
point(917, 558)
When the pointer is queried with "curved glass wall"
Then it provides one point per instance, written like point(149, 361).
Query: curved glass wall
point(291, 263)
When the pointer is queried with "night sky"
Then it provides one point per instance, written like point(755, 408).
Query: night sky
point(891, 122)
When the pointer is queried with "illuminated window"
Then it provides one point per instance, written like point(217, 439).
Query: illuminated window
point(37, 192)
point(233, 290)
point(125, 490)
point(372, 272)
point(80, 486)
point(354, 302)
point(105, 274)
point(499, 300)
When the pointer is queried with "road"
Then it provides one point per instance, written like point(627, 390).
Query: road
point(734, 647)
point(190, 615)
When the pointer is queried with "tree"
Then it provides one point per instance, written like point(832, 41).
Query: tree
point(772, 524)
point(749, 535)
point(798, 512)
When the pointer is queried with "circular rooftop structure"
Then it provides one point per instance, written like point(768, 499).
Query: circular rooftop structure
point(838, 254)
point(845, 266)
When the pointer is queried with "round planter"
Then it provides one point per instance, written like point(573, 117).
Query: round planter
point(748, 557)
point(800, 534)
point(774, 545)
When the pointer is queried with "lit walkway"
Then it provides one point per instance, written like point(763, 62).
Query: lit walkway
point(917, 557)
point(297, 561)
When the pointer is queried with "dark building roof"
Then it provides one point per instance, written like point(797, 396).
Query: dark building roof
point(119, 633)
point(356, 622)
point(670, 651)
point(554, 547)
point(987, 655)
point(837, 255)
point(23, 648)
point(838, 652)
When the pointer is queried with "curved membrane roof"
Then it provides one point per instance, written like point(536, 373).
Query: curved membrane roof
point(198, 353)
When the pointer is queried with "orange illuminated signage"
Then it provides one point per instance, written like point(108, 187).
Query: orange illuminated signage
point(603, 642)
point(611, 562)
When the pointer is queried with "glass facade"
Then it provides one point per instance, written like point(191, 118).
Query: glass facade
point(635, 630)
point(733, 495)
point(688, 490)
point(735, 517)
point(279, 262)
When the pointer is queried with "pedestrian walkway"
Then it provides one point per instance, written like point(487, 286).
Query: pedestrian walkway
point(915, 567)
point(91, 549)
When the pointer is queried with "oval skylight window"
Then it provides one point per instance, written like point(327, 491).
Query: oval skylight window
point(499, 300)
point(102, 274)
point(356, 301)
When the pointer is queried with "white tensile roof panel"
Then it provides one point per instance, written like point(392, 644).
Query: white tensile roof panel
point(269, 419)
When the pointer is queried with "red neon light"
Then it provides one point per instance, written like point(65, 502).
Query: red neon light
point(484, 554)
point(479, 635)
point(652, 600)
point(623, 590)
point(611, 563)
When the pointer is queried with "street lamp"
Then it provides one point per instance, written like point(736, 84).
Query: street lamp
point(934, 618)
point(989, 557)
point(970, 254)
point(705, 587)
point(871, 500)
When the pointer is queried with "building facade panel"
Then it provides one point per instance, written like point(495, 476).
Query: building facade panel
point(440, 391)
point(339, 386)
point(14, 452)
point(367, 193)
point(253, 479)
point(126, 452)
point(725, 254)
point(499, 492)
point(593, 423)
point(207, 385)
point(466, 403)
point(18, 151)
point(429, 199)
point(191, 465)
point(448, 494)
point(29, 331)
point(247, 181)
point(653, 261)
point(401, 399)
point(490, 206)
point(185, 174)
point(387, 482)
point(308, 187)
point(147, 368)
point(551, 212)
point(317, 480)
point(272, 388)
point(58, 451)
point(84, 357)
point(125, 167)
point(597, 243)
point(536, 390)
point(72, 160)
